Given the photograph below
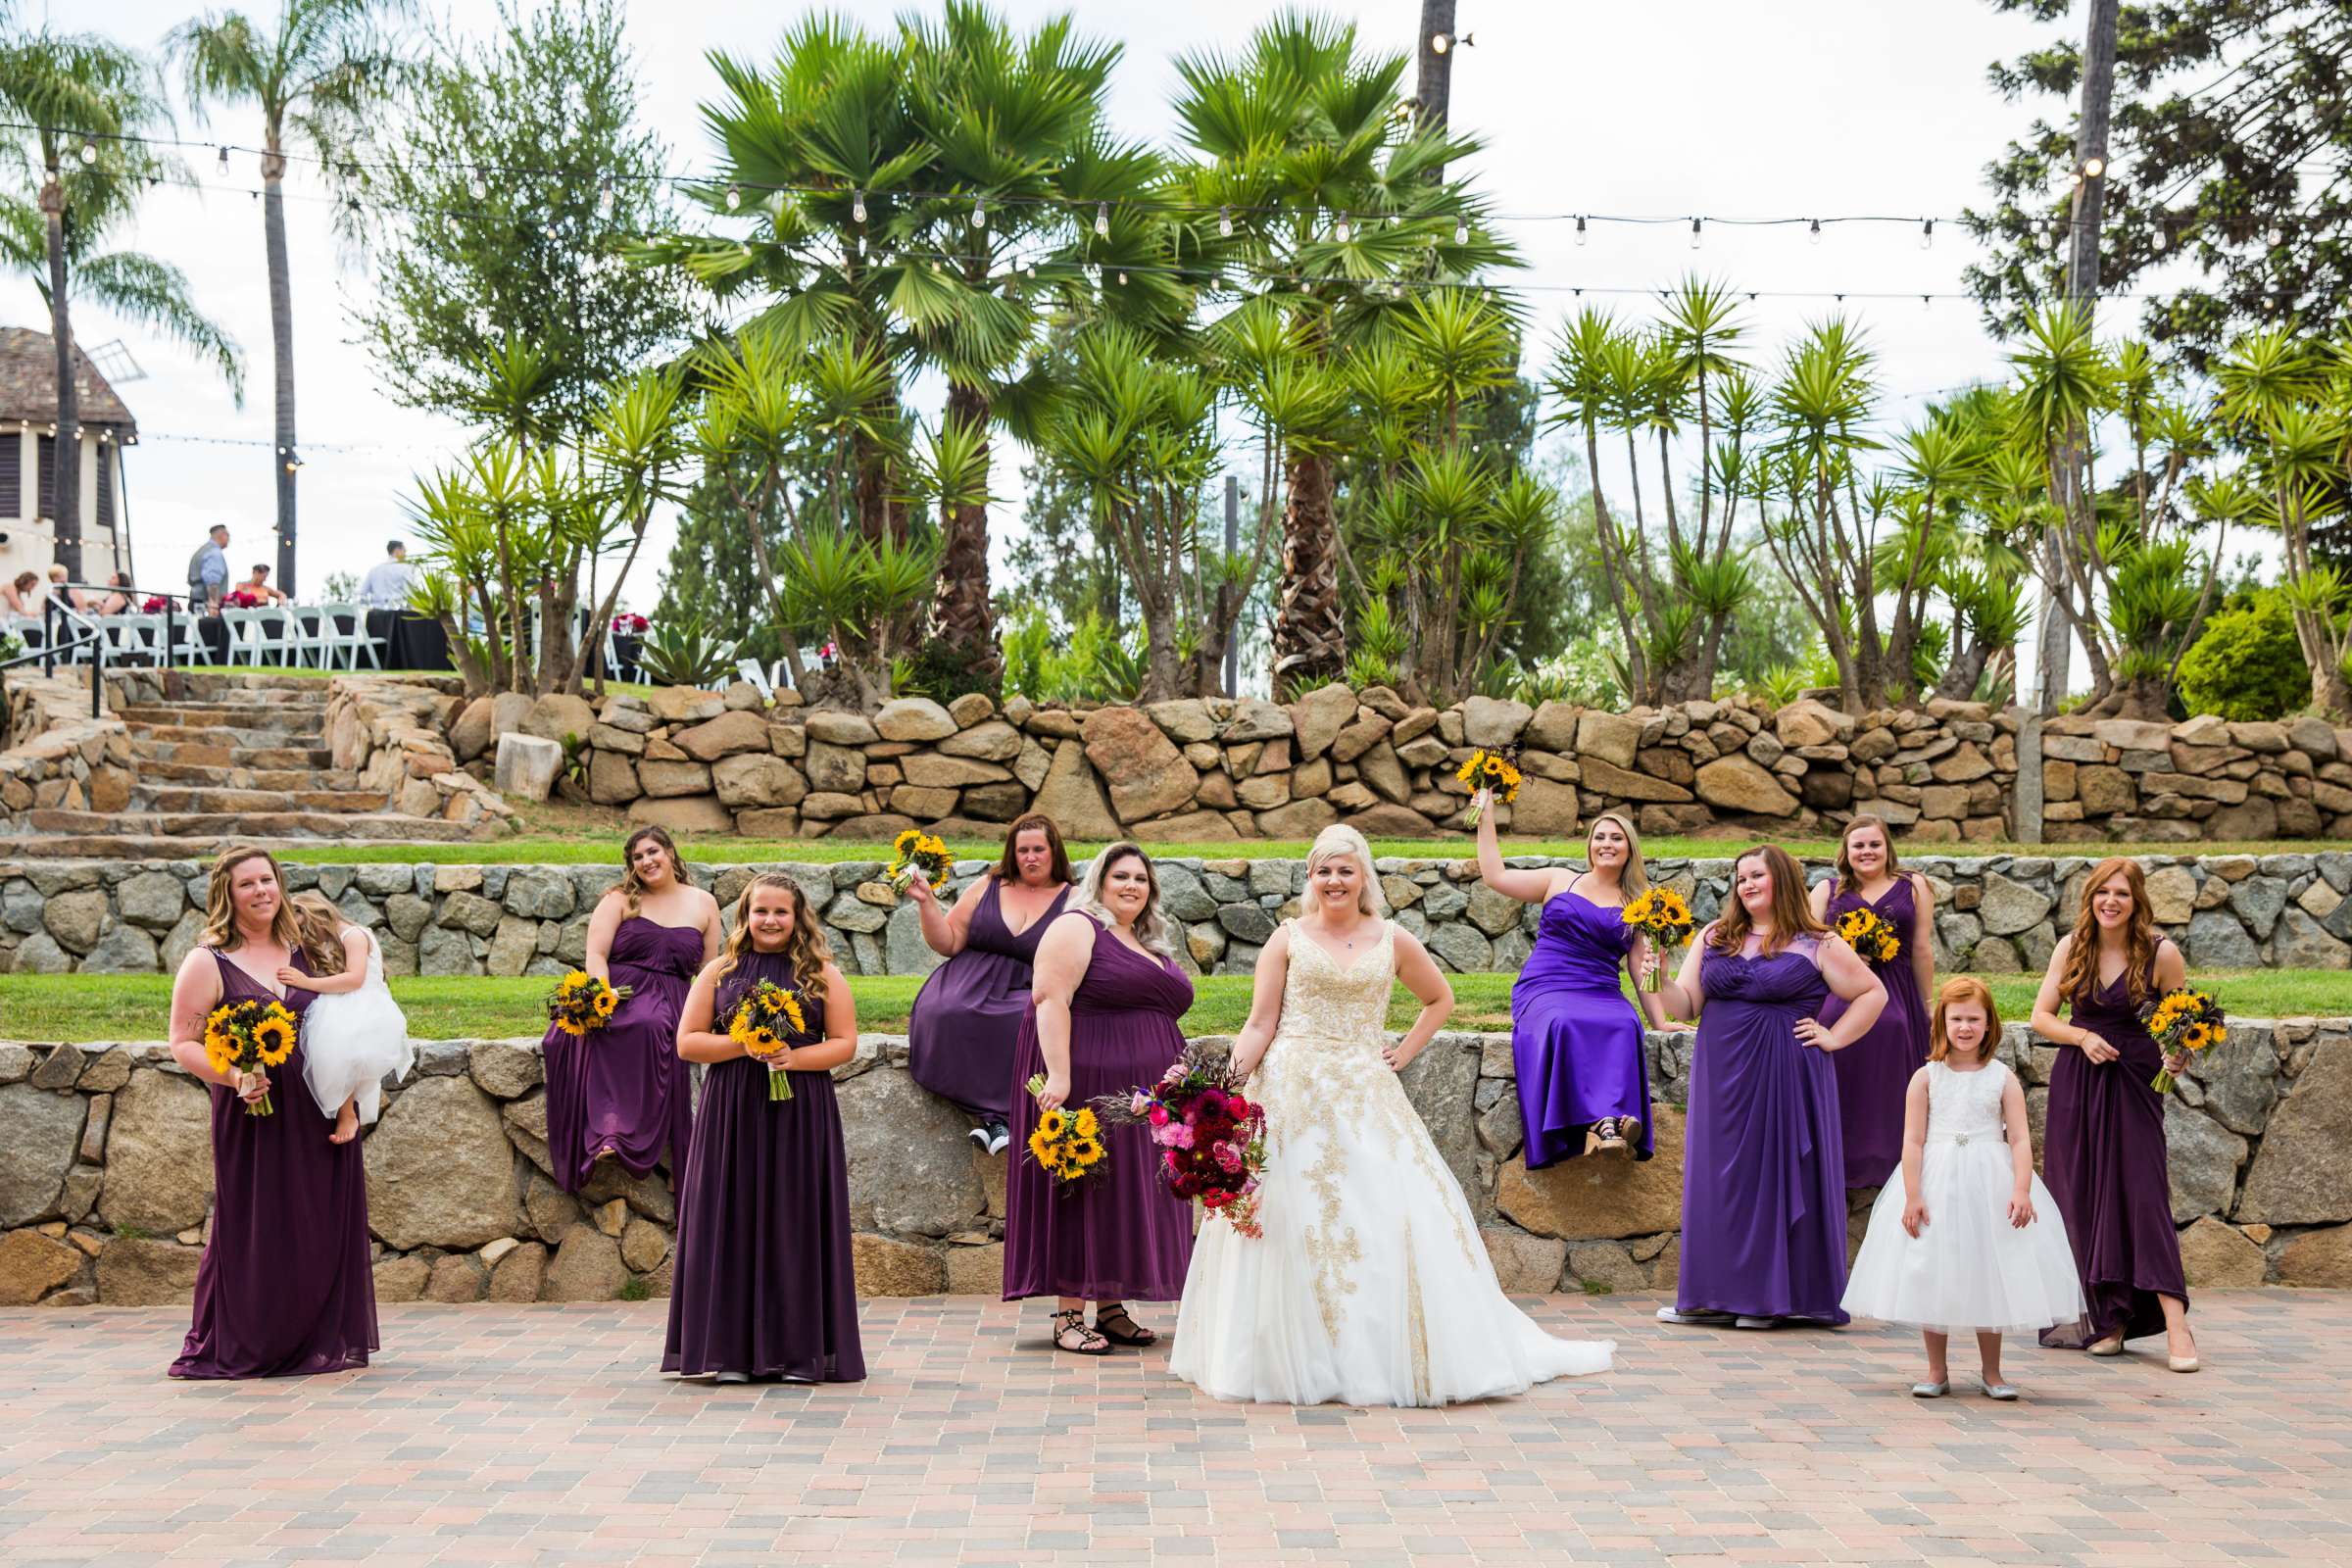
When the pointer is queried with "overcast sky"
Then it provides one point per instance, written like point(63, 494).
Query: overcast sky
point(1672, 107)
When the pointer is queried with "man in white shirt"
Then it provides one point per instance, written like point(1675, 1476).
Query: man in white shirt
point(386, 585)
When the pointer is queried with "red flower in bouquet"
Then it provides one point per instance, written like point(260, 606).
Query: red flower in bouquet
point(1211, 1139)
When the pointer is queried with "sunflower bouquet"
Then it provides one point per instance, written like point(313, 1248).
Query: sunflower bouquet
point(915, 852)
point(1871, 935)
point(1211, 1138)
point(581, 1001)
point(1496, 771)
point(1661, 916)
point(2179, 1022)
point(242, 1037)
point(1067, 1145)
point(762, 1025)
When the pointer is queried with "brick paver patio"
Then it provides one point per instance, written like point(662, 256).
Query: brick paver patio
point(544, 1434)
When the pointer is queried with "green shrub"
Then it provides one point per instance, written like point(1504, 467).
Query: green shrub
point(2246, 665)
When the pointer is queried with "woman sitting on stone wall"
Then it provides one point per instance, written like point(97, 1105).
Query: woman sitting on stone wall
point(285, 1288)
point(621, 1090)
point(967, 1017)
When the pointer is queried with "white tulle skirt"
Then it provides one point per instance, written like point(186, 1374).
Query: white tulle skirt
point(1969, 1270)
point(351, 1042)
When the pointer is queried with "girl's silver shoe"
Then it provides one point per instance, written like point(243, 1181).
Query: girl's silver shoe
point(732, 1377)
point(2000, 1391)
point(1930, 1390)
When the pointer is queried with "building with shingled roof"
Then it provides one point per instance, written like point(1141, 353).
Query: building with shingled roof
point(28, 472)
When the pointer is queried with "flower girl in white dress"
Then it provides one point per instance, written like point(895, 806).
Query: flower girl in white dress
point(352, 1033)
point(1371, 1284)
point(1969, 1240)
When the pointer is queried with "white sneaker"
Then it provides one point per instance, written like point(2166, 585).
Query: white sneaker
point(1670, 1315)
point(998, 1137)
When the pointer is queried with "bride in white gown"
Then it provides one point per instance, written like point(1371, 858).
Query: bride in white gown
point(1371, 1285)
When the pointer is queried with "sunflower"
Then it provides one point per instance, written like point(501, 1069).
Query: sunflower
point(912, 836)
point(219, 1052)
point(605, 1002)
point(1046, 1153)
point(1054, 1123)
point(1086, 1124)
point(273, 1040)
point(2216, 1034)
point(1084, 1151)
point(2194, 1036)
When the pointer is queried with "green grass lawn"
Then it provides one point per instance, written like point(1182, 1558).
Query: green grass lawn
point(601, 850)
point(86, 1008)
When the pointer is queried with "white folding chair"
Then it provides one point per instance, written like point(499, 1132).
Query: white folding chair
point(309, 628)
point(127, 638)
point(344, 629)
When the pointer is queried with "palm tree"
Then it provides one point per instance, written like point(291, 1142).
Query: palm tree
point(87, 100)
point(1332, 193)
point(314, 78)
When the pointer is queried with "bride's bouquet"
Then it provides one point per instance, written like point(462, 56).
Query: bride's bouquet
point(1212, 1137)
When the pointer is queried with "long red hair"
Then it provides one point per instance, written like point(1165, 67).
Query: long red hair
point(2081, 976)
point(1792, 917)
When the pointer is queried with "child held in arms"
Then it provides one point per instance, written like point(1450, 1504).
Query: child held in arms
point(354, 1034)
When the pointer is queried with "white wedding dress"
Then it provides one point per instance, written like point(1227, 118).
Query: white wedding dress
point(353, 1039)
point(1371, 1285)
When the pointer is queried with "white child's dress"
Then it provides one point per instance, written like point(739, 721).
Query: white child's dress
point(351, 1039)
point(1969, 1270)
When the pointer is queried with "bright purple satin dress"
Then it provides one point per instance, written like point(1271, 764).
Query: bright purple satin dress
point(2104, 1157)
point(1576, 1041)
point(1763, 1168)
point(1122, 1236)
point(625, 1086)
point(966, 1021)
point(285, 1288)
point(1873, 1073)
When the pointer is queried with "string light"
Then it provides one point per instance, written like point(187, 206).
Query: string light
point(1122, 280)
point(1224, 223)
point(1343, 231)
point(2159, 239)
point(1439, 42)
point(1461, 232)
point(734, 198)
point(89, 152)
point(2093, 167)
point(1927, 234)
point(1580, 228)
point(1695, 222)
point(477, 187)
point(1813, 231)
point(604, 198)
point(1103, 221)
point(2277, 237)
point(857, 207)
point(979, 213)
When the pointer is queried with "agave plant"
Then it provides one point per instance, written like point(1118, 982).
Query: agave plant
point(683, 652)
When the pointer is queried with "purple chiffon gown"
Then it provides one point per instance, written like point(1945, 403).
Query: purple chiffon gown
point(966, 1021)
point(1122, 1236)
point(623, 1086)
point(285, 1288)
point(1576, 1041)
point(2103, 1157)
point(764, 1284)
point(1873, 1073)
point(1763, 1172)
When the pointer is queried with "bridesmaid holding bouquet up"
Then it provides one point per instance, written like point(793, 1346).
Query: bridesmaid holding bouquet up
point(1576, 1041)
point(765, 1287)
point(2103, 1150)
point(621, 1091)
point(1873, 1073)
point(285, 1288)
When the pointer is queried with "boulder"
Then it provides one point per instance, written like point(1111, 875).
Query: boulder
point(910, 1158)
point(1736, 784)
point(2009, 905)
point(976, 1271)
point(2303, 1172)
point(686, 705)
point(1809, 723)
point(1494, 721)
point(887, 1267)
point(519, 1273)
point(931, 770)
point(1072, 795)
point(1613, 738)
point(612, 779)
point(539, 893)
point(1546, 809)
point(1318, 718)
point(835, 769)
point(505, 1070)
point(527, 767)
point(1553, 728)
point(147, 1273)
point(1605, 1267)
point(642, 1245)
point(2319, 1259)
point(669, 780)
point(1603, 777)
point(730, 733)
point(2217, 1257)
point(439, 1171)
point(1442, 1083)
point(31, 1265)
point(835, 727)
point(1182, 719)
point(123, 949)
point(75, 918)
point(557, 715)
point(159, 1155)
point(455, 1278)
point(402, 1279)
point(469, 736)
point(1524, 1264)
point(587, 1267)
point(152, 899)
point(1146, 774)
point(1256, 719)
point(2217, 939)
point(2172, 894)
point(688, 813)
point(759, 778)
point(992, 741)
point(1594, 1199)
point(2203, 1158)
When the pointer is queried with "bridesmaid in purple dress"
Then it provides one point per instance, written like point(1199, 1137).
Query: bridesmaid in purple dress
point(1576, 1041)
point(2103, 1154)
point(765, 1287)
point(1105, 1020)
point(967, 1017)
point(1763, 1170)
point(621, 1090)
point(285, 1288)
point(1874, 1074)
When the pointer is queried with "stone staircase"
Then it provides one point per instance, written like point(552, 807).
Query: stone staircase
point(246, 760)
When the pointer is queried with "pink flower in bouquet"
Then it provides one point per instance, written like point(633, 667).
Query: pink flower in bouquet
point(1175, 1073)
point(1228, 1157)
point(1138, 1103)
point(1158, 1113)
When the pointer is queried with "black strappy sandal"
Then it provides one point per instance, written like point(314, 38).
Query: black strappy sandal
point(1116, 1324)
point(1073, 1321)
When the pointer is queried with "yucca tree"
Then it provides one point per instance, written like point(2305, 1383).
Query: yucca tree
point(86, 98)
point(314, 78)
point(1340, 202)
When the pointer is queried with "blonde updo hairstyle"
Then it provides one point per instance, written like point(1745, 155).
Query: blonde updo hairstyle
point(1337, 842)
point(1150, 928)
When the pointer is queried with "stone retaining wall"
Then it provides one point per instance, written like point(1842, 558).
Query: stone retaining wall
point(1995, 914)
point(57, 757)
point(106, 1176)
point(2207, 779)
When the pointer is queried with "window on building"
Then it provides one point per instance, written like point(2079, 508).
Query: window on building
point(12, 474)
point(46, 455)
point(105, 485)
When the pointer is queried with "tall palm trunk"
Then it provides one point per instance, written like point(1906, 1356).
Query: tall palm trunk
point(1309, 635)
point(960, 614)
point(66, 448)
point(282, 339)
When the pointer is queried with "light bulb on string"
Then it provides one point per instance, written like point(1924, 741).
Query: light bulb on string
point(1439, 43)
point(89, 151)
point(2159, 240)
point(1343, 231)
point(1224, 223)
point(1580, 228)
point(2093, 167)
point(2277, 237)
point(1461, 232)
point(478, 187)
point(1694, 231)
point(1813, 231)
point(857, 207)
point(224, 159)
point(734, 198)
point(1122, 280)
point(604, 198)
point(1103, 221)
point(1927, 234)
point(979, 213)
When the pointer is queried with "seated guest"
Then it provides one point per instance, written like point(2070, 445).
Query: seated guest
point(257, 588)
point(23, 596)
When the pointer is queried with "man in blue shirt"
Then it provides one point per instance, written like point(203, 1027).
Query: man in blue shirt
point(208, 572)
